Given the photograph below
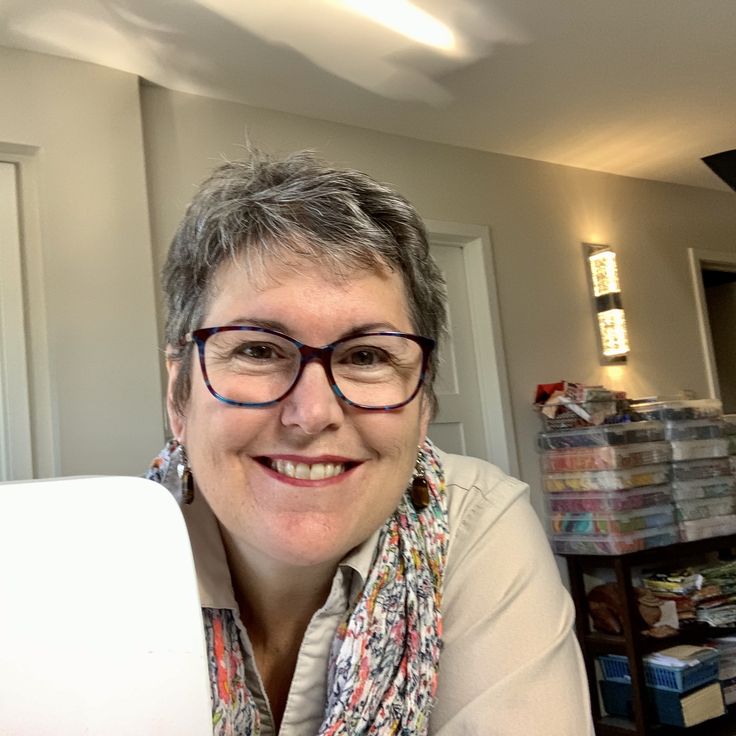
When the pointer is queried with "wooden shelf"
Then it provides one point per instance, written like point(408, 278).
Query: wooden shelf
point(632, 643)
point(723, 726)
point(602, 643)
point(609, 726)
point(654, 554)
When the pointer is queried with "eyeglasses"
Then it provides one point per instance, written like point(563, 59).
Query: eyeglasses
point(257, 366)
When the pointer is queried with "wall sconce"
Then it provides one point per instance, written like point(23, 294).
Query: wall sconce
point(613, 340)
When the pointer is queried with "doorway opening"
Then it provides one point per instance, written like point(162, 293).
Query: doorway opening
point(714, 278)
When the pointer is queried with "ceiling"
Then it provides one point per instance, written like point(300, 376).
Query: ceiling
point(643, 88)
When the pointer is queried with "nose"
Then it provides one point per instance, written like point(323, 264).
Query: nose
point(312, 405)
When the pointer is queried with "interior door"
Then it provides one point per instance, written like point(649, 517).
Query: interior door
point(458, 427)
point(474, 403)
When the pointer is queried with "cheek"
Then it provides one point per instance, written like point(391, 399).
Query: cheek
point(213, 425)
point(396, 438)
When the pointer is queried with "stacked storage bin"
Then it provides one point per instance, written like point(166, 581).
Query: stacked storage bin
point(607, 488)
point(729, 430)
point(726, 647)
point(703, 487)
point(682, 691)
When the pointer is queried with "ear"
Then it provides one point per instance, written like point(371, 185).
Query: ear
point(425, 416)
point(177, 421)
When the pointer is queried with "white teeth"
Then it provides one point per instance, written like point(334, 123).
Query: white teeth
point(301, 471)
point(318, 471)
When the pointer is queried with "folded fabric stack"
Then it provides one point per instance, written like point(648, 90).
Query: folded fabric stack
point(719, 610)
point(706, 595)
point(703, 486)
point(566, 405)
point(682, 587)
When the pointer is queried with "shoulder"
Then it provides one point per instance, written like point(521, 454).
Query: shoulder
point(471, 479)
point(495, 536)
point(508, 644)
point(498, 556)
point(480, 495)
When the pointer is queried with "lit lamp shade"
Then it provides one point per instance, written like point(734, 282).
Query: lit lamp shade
point(608, 306)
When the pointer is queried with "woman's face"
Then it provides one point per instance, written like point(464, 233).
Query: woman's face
point(233, 450)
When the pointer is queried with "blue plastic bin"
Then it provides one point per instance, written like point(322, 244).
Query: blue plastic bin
point(615, 668)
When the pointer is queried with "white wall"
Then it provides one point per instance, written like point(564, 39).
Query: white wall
point(82, 124)
point(539, 214)
point(92, 284)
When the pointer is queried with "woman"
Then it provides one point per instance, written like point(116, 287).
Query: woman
point(353, 578)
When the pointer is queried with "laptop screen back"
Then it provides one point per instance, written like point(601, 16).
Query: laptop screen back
point(100, 625)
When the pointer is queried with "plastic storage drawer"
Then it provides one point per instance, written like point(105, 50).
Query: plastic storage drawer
point(718, 526)
point(614, 544)
point(696, 469)
point(685, 490)
point(602, 435)
point(679, 410)
point(635, 498)
point(606, 480)
point(693, 429)
point(705, 508)
point(612, 522)
point(607, 457)
point(697, 449)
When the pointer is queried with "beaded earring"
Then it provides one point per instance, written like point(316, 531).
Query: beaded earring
point(419, 488)
point(178, 478)
point(186, 479)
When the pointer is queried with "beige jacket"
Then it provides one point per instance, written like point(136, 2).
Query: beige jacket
point(510, 665)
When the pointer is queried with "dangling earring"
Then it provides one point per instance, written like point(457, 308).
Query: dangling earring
point(186, 479)
point(419, 488)
point(178, 477)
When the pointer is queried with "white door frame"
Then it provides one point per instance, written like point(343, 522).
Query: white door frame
point(42, 445)
point(714, 260)
point(16, 456)
point(477, 253)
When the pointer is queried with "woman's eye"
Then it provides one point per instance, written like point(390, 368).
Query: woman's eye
point(367, 357)
point(256, 351)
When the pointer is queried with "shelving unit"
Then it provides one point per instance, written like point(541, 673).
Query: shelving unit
point(632, 643)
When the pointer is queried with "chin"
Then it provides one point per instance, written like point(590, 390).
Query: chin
point(309, 555)
point(305, 544)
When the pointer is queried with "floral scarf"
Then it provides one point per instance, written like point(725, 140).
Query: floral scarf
point(384, 658)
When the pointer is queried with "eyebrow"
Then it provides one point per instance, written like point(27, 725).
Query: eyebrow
point(358, 329)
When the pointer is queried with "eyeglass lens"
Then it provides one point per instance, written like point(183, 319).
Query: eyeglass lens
point(257, 367)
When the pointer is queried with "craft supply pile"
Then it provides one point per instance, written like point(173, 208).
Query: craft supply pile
point(621, 476)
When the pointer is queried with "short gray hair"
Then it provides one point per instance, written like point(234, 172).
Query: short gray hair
point(264, 209)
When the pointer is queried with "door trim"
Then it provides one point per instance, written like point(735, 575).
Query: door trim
point(715, 260)
point(477, 252)
point(16, 458)
point(44, 433)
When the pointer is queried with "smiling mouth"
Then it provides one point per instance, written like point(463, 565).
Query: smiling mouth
point(305, 471)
